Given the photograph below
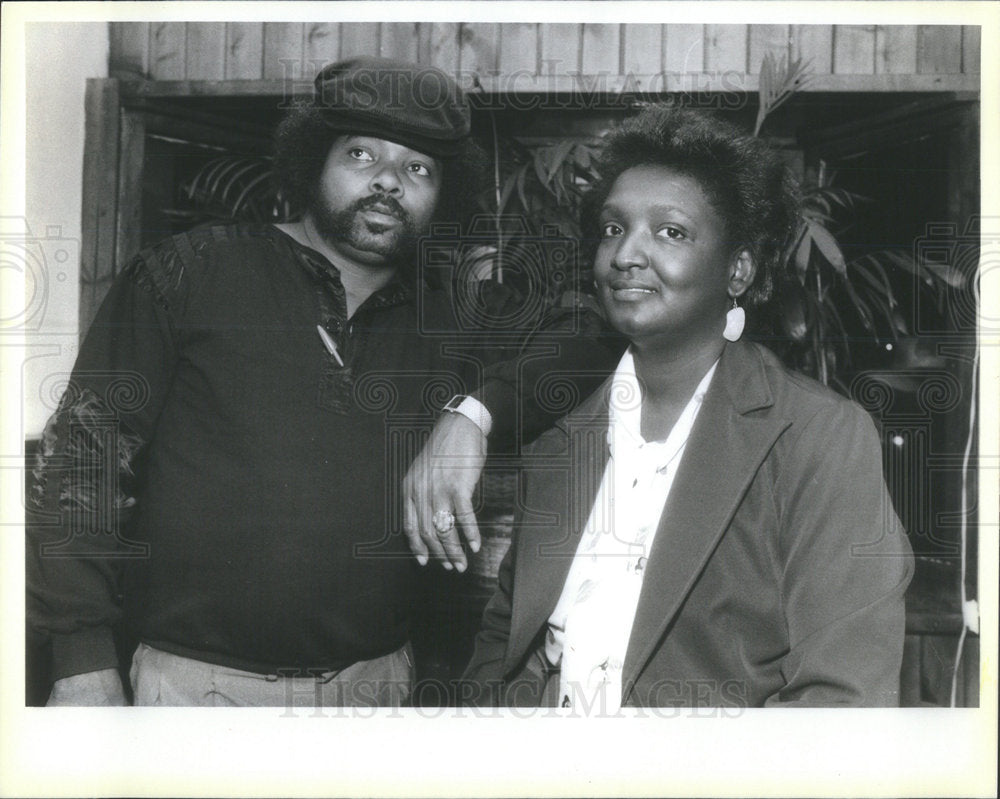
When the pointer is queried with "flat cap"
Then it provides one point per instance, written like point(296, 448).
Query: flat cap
point(415, 105)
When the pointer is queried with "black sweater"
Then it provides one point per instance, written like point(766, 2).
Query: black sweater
point(213, 472)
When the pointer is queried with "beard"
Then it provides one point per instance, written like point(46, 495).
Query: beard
point(346, 226)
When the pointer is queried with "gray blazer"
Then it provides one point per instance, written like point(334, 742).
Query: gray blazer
point(778, 570)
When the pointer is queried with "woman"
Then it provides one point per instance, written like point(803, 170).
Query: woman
point(708, 529)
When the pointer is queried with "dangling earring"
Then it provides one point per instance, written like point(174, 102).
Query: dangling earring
point(736, 319)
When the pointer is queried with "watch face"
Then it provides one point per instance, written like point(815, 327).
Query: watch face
point(454, 402)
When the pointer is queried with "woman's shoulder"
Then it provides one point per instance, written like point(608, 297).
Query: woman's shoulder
point(816, 412)
point(798, 393)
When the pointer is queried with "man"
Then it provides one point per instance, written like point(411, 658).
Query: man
point(221, 465)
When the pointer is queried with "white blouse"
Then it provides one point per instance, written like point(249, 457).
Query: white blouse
point(589, 629)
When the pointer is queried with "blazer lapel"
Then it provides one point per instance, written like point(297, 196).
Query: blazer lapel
point(724, 451)
point(567, 466)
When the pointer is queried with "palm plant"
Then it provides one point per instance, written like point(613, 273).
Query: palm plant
point(538, 191)
point(230, 188)
point(829, 301)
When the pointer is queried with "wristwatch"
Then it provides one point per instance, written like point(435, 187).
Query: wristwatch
point(471, 409)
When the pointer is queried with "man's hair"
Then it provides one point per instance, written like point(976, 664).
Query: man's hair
point(302, 143)
point(744, 178)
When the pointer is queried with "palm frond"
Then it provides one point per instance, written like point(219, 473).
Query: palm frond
point(778, 81)
point(231, 188)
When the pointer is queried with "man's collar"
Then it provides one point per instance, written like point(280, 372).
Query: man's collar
point(396, 292)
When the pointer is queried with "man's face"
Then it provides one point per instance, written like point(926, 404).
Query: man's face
point(375, 198)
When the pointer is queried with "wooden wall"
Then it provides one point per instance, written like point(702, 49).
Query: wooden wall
point(545, 56)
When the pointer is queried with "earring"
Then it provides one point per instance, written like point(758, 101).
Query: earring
point(736, 319)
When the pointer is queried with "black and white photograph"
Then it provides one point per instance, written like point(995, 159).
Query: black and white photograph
point(365, 375)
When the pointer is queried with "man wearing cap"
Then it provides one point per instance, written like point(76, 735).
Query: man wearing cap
point(218, 463)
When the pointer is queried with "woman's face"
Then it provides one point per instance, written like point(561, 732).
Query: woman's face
point(664, 261)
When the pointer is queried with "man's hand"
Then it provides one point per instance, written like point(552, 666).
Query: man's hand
point(93, 689)
point(442, 478)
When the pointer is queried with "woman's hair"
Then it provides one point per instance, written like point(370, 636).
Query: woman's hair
point(745, 179)
point(303, 141)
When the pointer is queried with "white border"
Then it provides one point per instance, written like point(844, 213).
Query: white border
point(256, 753)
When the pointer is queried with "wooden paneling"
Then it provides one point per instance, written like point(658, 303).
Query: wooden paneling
point(128, 219)
point(205, 52)
point(669, 82)
point(443, 50)
point(601, 50)
point(642, 46)
point(765, 39)
point(896, 49)
point(519, 48)
point(100, 183)
point(323, 42)
point(283, 50)
point(726, 48)
point(814, 44)
point(399, 40)
point(477, 52)
point(970, 48)
point(854, 49)
point(897, 56)
point(129, 48)
point(684, 49)
point(560, 48)
point(244, 51)
point(939, 49)
point(167, 50)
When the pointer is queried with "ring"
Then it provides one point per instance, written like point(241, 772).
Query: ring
point(444, 520)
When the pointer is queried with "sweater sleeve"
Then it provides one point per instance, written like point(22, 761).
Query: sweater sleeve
point(556, 368)
point(846, 566)
point(85, 470)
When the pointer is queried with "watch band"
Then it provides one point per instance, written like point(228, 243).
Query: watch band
point(472, 409)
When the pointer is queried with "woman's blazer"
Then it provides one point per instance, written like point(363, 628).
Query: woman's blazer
point(778, 569)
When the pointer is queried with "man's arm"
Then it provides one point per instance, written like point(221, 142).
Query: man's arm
point(524, 395)
point(85, 485)
point(443, 477)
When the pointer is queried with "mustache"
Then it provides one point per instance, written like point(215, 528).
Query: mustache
point(383, 203)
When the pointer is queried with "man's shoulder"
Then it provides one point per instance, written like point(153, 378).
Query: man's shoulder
point(170, 265)
point(207, 241)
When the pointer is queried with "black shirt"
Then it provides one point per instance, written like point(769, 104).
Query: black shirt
point(266, 532)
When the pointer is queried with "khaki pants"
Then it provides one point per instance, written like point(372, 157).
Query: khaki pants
point(160, 678)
